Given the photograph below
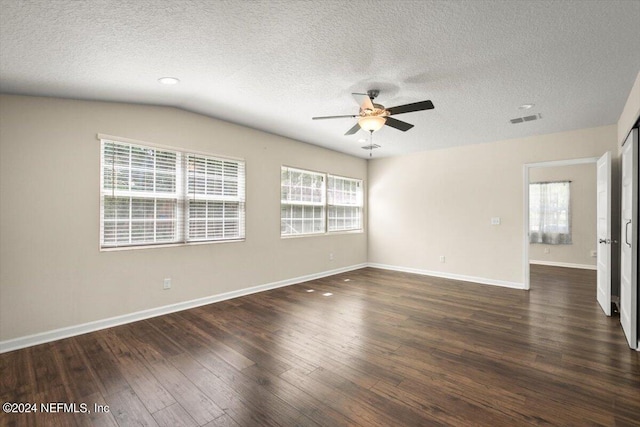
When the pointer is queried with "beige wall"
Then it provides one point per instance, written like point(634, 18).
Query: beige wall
point(52, 274)
point(630, 112)
point(441, 202)
point(424, 205)
point(583, 215)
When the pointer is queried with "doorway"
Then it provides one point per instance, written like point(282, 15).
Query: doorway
point(531, 169)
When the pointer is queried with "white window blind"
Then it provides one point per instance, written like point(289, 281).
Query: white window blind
point(549, 213)
point(302, 207)
point(216, 198)
point(139, 197)
point(344, 200)
point(144, 199)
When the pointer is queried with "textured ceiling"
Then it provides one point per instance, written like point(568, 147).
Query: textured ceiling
point(272, 65)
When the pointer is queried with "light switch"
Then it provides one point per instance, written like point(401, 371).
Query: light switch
point(495, 220)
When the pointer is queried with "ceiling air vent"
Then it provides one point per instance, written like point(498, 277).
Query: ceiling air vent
point(526, 119)
point(370, 146)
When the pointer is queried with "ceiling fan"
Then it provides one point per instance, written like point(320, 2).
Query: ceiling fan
point(373, 116)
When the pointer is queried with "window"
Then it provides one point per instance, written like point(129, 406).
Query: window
point(549, 213)
point(344, 199)
point(215, 192)
point(159, 196)
point(302, 202)
point(307, 202)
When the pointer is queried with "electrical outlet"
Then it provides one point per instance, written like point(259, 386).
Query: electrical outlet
point(594, 254)
point(441, 258)
point(495, 220)
point(167, 283)
point(547, 250)
point(331, 256)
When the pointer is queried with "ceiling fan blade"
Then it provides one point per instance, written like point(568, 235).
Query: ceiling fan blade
point(333, 117)
point(408, 108)
point(353, 130)
point(363, 101)
point(398, 124)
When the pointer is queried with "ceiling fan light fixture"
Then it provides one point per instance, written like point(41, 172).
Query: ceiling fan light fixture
point(371, 123)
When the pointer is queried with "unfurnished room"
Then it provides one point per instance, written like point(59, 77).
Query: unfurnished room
point(319, 213)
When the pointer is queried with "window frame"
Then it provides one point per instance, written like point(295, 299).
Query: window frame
point(191, 196)
point(322, 204)
point(550, 237)
point(359, 204)
point(182, 196)
point(326, 205)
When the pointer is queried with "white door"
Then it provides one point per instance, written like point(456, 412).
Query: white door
point(604, 232)
point(629, 241)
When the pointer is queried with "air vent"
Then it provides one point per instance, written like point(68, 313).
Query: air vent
point(526, 119)
point(370, 147)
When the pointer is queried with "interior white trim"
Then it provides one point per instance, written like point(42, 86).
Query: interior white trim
point(101, 136)
point(563, 264)
point(567, 162)
point(473, 279)
point(70, 331)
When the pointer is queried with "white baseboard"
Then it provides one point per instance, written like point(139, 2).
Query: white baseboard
point(474, 279)
point(70, 331)
point(564, 264)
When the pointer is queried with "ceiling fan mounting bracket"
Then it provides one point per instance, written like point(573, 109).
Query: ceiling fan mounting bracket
point(373, 93)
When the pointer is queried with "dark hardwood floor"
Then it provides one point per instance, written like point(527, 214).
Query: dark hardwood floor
point(384, 349)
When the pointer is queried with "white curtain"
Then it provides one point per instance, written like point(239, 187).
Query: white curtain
point(549, 213)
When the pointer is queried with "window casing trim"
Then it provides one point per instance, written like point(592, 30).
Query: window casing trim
point(324, 233)
point(166, 245)
point(103, 136)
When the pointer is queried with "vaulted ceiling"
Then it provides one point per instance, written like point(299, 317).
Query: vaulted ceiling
point(272, 65)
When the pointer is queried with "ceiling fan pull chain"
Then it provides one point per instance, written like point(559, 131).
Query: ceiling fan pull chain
point(371, 143)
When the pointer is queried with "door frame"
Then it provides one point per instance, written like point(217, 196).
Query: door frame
point(525, 187)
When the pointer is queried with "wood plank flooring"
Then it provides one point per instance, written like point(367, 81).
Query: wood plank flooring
point(384, 349)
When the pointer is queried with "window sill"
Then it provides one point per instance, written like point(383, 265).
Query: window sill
point(332, 233)
point(168, 245)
